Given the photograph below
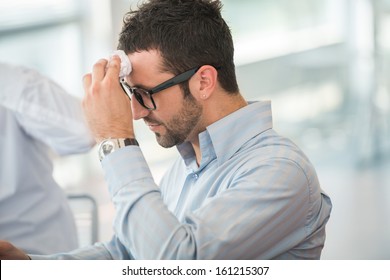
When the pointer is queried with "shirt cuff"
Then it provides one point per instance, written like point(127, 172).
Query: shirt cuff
point(125, 166)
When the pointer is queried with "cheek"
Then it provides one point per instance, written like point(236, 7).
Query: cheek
point(169, 100)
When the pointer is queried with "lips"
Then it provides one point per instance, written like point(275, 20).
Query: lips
point(153, 126)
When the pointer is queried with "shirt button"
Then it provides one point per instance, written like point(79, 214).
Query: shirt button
point(195, 176)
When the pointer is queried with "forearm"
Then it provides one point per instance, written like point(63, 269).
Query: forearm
point(44, 110)
point(142, 222)
point(149, 230)
point(55, 119)
point(98, 251)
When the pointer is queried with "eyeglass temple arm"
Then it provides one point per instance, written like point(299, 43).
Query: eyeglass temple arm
point(176, 80)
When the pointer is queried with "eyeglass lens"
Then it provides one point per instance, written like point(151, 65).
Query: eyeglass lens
point(142, 96)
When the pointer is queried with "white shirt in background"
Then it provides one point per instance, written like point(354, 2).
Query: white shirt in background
point(37, 117)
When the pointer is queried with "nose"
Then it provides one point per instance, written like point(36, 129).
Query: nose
point(138, 110)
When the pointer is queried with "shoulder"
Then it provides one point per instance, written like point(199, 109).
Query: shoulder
point(276, 159)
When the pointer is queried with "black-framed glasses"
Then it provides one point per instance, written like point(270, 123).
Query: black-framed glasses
point(144, 97)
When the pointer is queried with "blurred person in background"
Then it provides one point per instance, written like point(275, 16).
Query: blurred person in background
point(37, 118)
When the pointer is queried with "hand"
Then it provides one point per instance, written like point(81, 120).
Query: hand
point(106, 107)
point(10, 252)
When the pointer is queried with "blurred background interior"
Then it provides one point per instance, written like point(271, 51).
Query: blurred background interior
point(324, 64)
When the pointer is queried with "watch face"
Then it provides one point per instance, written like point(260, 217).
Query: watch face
point(108, 147)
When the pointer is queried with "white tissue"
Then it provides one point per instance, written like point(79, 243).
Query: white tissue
point(125, 63)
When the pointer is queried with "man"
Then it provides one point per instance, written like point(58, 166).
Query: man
point(238, 190)
point(37, 118)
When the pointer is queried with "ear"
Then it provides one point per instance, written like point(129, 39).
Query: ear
point(206, 82)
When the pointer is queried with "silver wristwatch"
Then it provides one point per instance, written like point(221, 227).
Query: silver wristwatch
point(110, 145)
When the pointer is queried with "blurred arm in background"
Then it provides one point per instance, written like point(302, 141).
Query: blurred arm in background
point(37, 118)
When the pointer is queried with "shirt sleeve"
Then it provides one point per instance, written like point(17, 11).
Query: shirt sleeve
point(112, 250)
point(263, 213)
point(45, 110)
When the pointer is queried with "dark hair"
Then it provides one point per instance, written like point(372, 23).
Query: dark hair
point(187, 33)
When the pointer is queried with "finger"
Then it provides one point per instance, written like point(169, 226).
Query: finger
point(99, 70)
point(87, 81)
point(113, 67)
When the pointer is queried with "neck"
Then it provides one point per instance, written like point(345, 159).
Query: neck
point(213, 112)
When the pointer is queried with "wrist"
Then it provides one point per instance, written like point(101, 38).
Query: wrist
point(110, 145)
point(101, 138)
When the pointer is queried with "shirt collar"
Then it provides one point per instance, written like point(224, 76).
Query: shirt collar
point(225, 137)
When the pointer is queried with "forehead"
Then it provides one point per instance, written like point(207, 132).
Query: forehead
point(147, 69)
point(147, 61)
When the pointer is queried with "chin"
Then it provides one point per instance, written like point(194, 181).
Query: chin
point(167, 142)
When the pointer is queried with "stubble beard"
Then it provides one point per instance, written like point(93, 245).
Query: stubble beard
point(181, 125)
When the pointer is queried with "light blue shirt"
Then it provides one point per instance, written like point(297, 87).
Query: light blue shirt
point(37, 118)
point(255, 195)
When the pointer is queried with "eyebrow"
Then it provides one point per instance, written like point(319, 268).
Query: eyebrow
point(142, 86)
